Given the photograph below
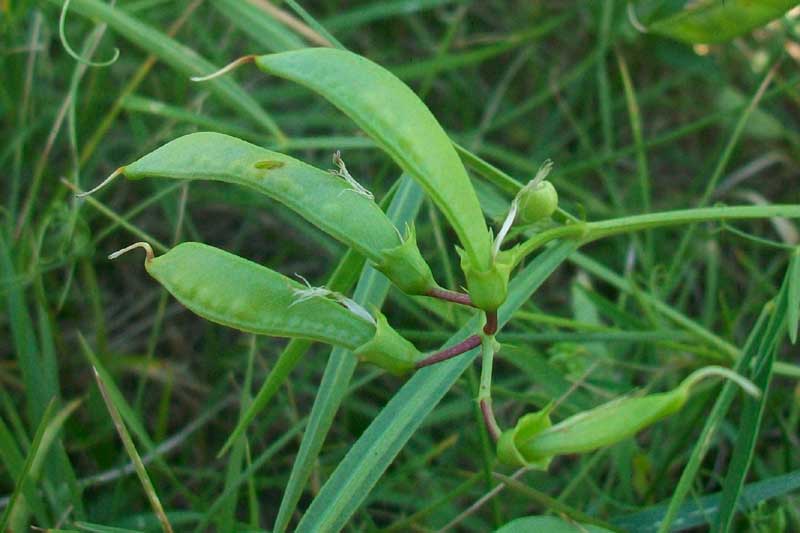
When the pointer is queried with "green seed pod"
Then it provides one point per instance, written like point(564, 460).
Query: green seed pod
point(402, 125)
point(537, 203)
point(336, 205)
point(533, 442)
point(232, 291)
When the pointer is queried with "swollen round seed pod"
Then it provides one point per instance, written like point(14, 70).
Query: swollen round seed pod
point(536, 203)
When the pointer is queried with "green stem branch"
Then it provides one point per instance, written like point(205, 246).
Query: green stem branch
point(488, 345)
point(591, 231)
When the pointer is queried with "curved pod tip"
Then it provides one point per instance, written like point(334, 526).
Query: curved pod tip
point(102, 184)
point(236, 63)
point(149, 255)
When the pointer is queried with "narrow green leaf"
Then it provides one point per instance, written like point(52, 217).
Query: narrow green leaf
point(697, 512)
point(793, 304)
point(389, 112)
point(227, 516)
point(14, 463)
point(35, 356)
point(15, 515)
point(181, 58)
point(371, 290)
point(99, 528)
point(716, 21)
point(753, 410)
point(371, 455)
point(760, 336)
point(551, 524)
point(130, 449)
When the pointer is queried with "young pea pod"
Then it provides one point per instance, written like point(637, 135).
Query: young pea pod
point(534, 441)
point(327, 201)
point(392, 115)
point(232, 291)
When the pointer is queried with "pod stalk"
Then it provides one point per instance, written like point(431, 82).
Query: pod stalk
point(227, 68)
point(145, 246)
point(448, 353)
point(451, 296)
point(102, 184)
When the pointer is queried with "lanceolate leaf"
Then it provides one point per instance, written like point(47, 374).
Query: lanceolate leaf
point(389, 112)
point(715, 21)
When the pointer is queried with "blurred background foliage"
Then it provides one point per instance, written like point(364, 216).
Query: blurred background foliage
point(634, 122)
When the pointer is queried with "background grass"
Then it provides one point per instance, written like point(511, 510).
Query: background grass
point(634, 123)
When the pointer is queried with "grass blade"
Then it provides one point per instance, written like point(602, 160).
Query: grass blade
point(753, 411)
point(371, 289)
point(760, 336)
point(130, 448)
point(698, 512)
point(793, 305)
point(15, 514)
point(179, 57)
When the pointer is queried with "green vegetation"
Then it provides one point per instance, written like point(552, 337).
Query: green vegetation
point(600, 200)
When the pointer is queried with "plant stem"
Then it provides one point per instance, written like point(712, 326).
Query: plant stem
point(485, 389)
point(490, 328)
point(590, 231)
point(448, 353)
point(451, 296)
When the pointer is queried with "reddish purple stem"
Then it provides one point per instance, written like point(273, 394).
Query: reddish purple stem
point(451, 296)
point(490, 328)
point(448, 353)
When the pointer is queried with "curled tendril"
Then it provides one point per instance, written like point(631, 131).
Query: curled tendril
point(75, 55)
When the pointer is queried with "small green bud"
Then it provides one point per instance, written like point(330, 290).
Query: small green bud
point(488, 288)
point(527, 427)
point(388, 349)
point(537, 202)
point(538, 199)
point(405, 266)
